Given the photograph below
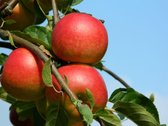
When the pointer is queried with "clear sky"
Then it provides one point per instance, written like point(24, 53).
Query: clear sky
point(137, 51)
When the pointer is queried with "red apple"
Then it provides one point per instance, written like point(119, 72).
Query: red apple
point(75, 122)
point(53, 95)
point(21, 75)
point(81, 77)
point(14, 119)
point(79, 37)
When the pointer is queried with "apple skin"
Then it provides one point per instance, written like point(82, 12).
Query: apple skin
point(51, 94)
point(81, 77)
point(21, 75)
point(80, 38)
point(14, 119)
point(75, 122)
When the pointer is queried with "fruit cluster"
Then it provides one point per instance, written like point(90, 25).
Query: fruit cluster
point(28, 12)
point(78, 39)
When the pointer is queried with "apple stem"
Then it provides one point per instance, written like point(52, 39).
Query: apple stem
point(6, 45)
point(55, 12)
point(44, 57)
point(116, 77)
point(7, 7)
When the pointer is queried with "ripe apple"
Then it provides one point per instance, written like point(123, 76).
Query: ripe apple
point(81, 77)
point(14, 119)
point(53, 95)
point(21, 16)
point(75, 122)
point(21, 75)
point(79, 37)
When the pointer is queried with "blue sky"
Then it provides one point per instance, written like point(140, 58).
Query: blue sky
point(137, 50)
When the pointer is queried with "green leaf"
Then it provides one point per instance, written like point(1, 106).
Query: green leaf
point(24, 109)
point(52, 115)
point(131, 96)
point(90, 98)
point(46, 74)
point(11, 39)
point(136, 113)
point(76, 2)
point(56, 116)
point(6, 97)
point(36, 34)
point(108, 118)
point(3, 58)
point(163, 125)
point(152, 97)
point(41, 33)
point(37, 118)
point(85, 112)
point(99, 65)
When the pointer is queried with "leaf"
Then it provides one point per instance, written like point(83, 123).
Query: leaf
point(6, 97)
point(56, 116)
point(40, 33)
point(3, 58)
point(36, 34)
point(99, 65)
point(24, 109)
point(52, 115)
point(136, 113)
point(37, 118)
point(163, 125)
point(85, 112)
point(152, 97)
point(90, 98)
point(46, 73)
point(11, 39)
point(131, 96)
point(76, 2)
point(108, 118)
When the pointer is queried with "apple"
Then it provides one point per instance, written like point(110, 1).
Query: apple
point(75, 122)
point(79, 37)
point(81, 77)
point(22, 75)
point(14, 119)
point(53, 95)
point(20, 16)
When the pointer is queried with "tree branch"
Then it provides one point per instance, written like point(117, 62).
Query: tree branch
point(55, 11)
point(6, 45)
point(7, 7)
point(116, 77)
point(43, 57)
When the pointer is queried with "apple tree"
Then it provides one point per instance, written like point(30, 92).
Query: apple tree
point(51, 76)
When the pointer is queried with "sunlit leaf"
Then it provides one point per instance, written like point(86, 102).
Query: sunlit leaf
point(108, 118)
point(90, 98)
point(46, 73)
point(36, 34)
point(85, 112)
point(131, 96)
point(11, 39)
point(136, 113)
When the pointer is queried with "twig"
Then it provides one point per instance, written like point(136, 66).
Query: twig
point(43, 56)
point(7, 8)
point(116, 76)
point(6, 45)
point(55, 11)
